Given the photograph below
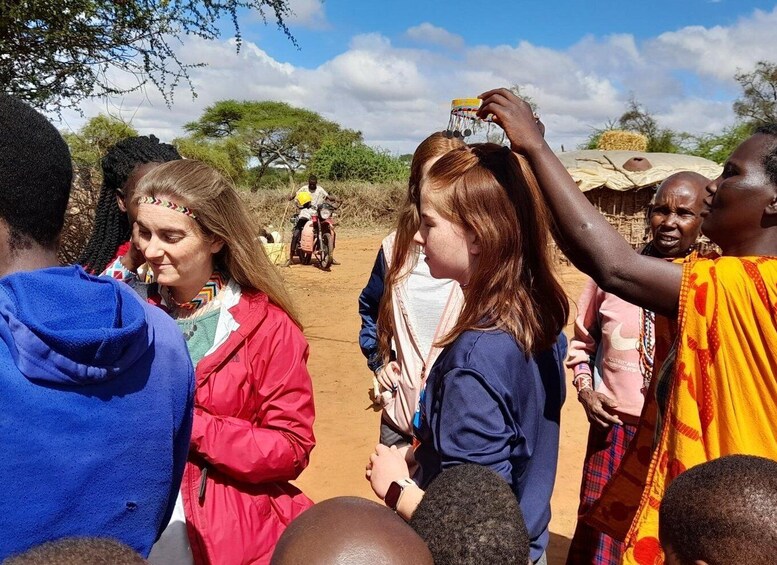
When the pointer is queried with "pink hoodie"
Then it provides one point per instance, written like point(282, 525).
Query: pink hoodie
point(607, 330)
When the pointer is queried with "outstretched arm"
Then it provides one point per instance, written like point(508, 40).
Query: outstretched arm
point(590, 242)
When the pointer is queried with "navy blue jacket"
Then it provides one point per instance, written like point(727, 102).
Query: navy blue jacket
point(488, 403)
point(369, 307)
point(96, 395)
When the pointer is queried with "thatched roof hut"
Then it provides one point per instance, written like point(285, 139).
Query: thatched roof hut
point(620, 184)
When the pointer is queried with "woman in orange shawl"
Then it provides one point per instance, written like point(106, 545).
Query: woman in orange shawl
point(717, 392)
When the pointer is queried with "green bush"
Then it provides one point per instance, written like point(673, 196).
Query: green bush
point(222, 155)
point(357, 162)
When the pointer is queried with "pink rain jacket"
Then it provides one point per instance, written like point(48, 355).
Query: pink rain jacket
point(252, 433)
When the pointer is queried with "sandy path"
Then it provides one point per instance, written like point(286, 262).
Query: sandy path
point(347, 426)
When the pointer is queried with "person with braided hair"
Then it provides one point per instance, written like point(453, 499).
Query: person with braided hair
point(109, 250)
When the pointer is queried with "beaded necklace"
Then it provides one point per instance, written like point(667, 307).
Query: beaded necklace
point(209, 291)
point(646, 346)
point(201, 304)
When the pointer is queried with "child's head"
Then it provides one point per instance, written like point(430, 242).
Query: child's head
point(84, 551)
point(35, 177)
point(484, 224)
point(303, 199)
point(470, 515)
point(425, 155)
point(349, 530)
point(720, 512)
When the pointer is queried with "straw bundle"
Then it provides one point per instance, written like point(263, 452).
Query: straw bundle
point(617, 140)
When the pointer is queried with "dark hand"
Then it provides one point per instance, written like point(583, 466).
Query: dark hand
point(514, 115)
point(598, 408)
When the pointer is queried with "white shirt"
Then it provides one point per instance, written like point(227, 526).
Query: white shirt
point(318, 197)
point(428, 297)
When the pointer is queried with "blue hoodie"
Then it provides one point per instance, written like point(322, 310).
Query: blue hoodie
point(96, 393)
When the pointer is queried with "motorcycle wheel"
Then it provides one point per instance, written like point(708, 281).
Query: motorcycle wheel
point(326, 251)
point(304, 257)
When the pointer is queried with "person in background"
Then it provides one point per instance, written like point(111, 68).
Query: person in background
point(109, 250)
point(721, 512)
point(616, 341)
point(317, 193)
point(404, 310)
point(97, 385)
point(494, 395)
point(253, 417)
point(308, 198)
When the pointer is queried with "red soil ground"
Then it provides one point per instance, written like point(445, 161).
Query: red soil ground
point(347, 425)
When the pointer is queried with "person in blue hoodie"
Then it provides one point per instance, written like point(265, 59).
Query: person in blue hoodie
point(96, 387)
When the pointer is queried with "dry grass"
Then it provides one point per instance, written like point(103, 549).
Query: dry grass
point(364, 207)
point(80, 214)
point(617, 140)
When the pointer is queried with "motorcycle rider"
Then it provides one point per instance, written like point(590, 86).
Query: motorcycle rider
point(308, 198)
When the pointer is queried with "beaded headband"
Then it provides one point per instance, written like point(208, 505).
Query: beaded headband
point(167, 204)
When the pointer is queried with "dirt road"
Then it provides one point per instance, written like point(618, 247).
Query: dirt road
point(347, 425)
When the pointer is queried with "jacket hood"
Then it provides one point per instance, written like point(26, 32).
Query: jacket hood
point(63, 326)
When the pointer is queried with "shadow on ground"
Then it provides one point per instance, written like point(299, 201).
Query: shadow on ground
point(557, 549)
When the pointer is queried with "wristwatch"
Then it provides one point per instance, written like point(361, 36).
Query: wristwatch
point(394, 492)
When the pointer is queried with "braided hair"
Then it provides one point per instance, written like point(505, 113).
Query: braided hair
point(111, 226)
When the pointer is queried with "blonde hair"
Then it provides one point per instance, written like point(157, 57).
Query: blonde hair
point(221, 213)
point(405, 251)
point(493, 193)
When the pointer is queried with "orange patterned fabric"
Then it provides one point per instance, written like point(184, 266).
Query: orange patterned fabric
point(723, 399)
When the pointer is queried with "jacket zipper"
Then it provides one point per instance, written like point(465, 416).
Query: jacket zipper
point(203, 482)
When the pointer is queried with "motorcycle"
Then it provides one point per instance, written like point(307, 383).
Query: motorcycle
point(318, 237)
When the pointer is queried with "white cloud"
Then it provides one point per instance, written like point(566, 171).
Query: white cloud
point(307, 13)
point(433, 35)
point(396, 96)
point(718, 52)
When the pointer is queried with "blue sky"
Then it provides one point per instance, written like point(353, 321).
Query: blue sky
point(552, 23)
point(390, 69)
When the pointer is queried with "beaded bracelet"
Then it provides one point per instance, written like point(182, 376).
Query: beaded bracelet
point(583, 379)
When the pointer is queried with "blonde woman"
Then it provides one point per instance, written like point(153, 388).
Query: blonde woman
point(253, 418)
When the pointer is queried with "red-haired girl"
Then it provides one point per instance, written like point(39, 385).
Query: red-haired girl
point(494, 394)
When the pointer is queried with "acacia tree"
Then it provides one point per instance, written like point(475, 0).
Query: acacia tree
point(56, 54)
point(271, 133)
point(226, 156)
point(758, 102)
point(90, 143)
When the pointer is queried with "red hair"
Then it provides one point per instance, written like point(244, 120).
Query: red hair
point(492, 192)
